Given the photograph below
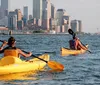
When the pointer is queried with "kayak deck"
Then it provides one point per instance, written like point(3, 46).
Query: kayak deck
point(10, 64)
point(67, 51)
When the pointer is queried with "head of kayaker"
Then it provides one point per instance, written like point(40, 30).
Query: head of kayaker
point(11, 49)
point(75, 44)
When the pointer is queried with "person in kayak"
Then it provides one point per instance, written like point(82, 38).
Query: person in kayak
point(11, 49)
point(75, 44)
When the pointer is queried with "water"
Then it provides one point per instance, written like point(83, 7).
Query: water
point(79, 70)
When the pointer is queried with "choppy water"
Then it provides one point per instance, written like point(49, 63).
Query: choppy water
point(79, 70)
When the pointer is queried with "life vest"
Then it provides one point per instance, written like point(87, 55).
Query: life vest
point(72, 44)
point(11, 52)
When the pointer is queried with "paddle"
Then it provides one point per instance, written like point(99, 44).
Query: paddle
point(52, 64)
point(70, 31)
point(56, 66)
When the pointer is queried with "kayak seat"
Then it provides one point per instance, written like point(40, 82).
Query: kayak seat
point(9, 60)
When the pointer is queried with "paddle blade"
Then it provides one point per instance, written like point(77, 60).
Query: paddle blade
point(55, 66)
point(70, 31)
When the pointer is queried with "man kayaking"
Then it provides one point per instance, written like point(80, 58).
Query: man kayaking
point(75, 44)
point(11, 49)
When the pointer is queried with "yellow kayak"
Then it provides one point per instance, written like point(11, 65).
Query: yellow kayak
point(9, 64)
point(67, 51)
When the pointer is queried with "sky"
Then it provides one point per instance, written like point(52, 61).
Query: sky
point(88, 11)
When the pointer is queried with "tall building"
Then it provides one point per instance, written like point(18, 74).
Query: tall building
point(59, 16)
point(46, 14)
point(19, 14)
point(12, 20)
point(37, 9)
point(5, 4)
point(80, 26)
point(25, 12)
point(4, 8)
point(75, 25)
point(53, 11)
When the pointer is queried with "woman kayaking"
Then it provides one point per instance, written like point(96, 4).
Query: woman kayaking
point(75, 44)
point(11, 49)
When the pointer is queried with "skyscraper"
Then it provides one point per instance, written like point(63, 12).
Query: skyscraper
point(5, 4)
point(4, 8)
point(25, 12)
point(37, 9)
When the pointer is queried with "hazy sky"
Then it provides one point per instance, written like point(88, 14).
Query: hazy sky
point(86, 10)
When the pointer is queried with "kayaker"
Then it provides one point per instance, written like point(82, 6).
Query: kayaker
point(75, 44)
point(11, 49)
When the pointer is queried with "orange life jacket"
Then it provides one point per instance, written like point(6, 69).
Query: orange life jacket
point(11, 52)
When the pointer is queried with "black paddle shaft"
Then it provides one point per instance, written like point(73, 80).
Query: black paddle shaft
point(36, 57)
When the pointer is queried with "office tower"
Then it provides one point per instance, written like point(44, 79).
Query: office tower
point(46, 14)
point(75, 25)
point(59, 16)
point(37, 9)
point(30, 17)
point(5, 4)
point(80, 26)
point(4, 8)
point(25, 12)
point(53, 11)
point(19, 14)
point(12, 20)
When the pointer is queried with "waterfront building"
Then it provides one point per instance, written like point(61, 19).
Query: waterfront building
point(75, 25)
point(4, 8)
point(37, 9)
point(46, 14)
point(80, 26)
point(30, 17)
point(4, 21)
point(59, 16)
point(5, 4)
point(25, 12)
point(62, 20)
point(19, 14)
point(12, 20)
point(20, 25)
point(53, 11)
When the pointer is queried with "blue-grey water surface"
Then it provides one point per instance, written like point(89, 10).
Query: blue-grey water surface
point(79, 70)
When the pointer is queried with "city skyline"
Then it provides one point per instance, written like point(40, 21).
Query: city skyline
point(87, 11)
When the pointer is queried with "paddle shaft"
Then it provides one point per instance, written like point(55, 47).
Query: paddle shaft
point(37, 57)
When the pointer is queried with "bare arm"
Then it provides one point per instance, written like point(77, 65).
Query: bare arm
point(3, 45)
point(24, 54)
point(83, 47)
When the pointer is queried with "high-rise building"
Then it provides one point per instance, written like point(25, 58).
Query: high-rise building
point(75, 25)
point(37, 9)
point(25, 12)
point(5, 4)
point(12, 20)
point(53, 11)
point(46, 14)
point(4, 8)
point(80, 26)
point(19, 14)
point(59, 16)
